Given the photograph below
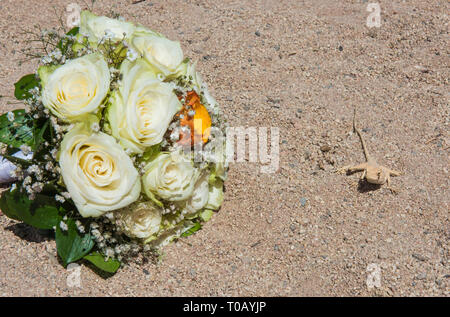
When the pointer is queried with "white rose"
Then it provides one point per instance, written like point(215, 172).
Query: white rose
point(215, 197)
point(216, 150)
point(142, 109)
point(171, 176)
point(140, 220)
point(200, 194)
point(76, 88)
point(161, 53)
point(98, 27)
point(207, 193)
point(97, 172)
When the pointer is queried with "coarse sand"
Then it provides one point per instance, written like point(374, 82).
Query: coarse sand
point(301, 66)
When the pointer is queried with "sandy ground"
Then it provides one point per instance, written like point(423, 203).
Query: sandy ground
point(302, 66)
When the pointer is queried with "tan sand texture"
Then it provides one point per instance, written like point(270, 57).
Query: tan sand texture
point(300, 65)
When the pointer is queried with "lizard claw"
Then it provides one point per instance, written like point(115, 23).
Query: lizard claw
point(393, 190)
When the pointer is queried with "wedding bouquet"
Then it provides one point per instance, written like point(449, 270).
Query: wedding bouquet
point(120, 148)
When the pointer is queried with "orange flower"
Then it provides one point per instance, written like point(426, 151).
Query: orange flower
point(199, 123)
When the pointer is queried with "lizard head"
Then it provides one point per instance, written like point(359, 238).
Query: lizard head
point(376, 175)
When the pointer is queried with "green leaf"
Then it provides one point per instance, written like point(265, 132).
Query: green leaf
point(154, 199)
point(74, 31)
point(110, 266)
point(64, 43)
point(42, 212)
point(38, 135)
point(17, 132)
point(17, 160)
point(206, 215)
point(71, 244)
point(23, 86)
point(196, 227)
point(151, 152)
point(212, 178)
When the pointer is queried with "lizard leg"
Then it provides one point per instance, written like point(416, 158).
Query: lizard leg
point(352, 168)
point(363, 176)
point(343, 170)
point(358, 168)
point(394, 172)
point(388, 183)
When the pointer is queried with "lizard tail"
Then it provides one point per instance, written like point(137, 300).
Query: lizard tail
point(355, 129)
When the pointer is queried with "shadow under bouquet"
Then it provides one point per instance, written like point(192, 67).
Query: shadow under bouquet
point(120, 148)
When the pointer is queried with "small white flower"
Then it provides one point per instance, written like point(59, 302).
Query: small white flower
point(80, 226)
point(46, 60)
point(27, 181)
point(59, 198)
point(10, 116)
point(56, 54)
point(63, 226)
point(37, 187)
point(109, 253)
point(109, 215)
point(132, 55)
point(109, 34)
point(95, 127)
point(54, 152)
point(49, 166)
point(66, 195)
point(97, 235)
point(186, 129)
point(174, 136)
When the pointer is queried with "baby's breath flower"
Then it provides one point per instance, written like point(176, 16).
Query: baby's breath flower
point(27, 181)
point(174, 136)
point(109, 253)
point(95, 127)
point(66, 195)
point(46, 60)
point(37, 187)
point(132, 55)
point(10, 116)
point(80, 226)
point(63, 226)
point(49, 166)
point(59, 198)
